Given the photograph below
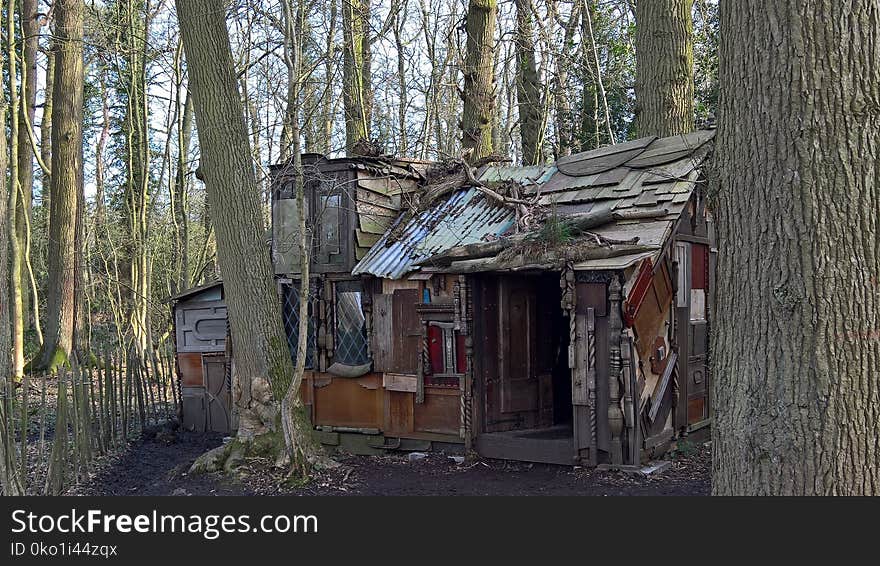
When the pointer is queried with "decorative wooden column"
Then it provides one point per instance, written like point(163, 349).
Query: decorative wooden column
point(463, 324)
point(615, 388)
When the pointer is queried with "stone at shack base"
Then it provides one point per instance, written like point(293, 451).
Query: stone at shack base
point(654, 467)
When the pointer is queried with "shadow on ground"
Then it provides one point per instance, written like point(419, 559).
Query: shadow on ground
point(158, 465)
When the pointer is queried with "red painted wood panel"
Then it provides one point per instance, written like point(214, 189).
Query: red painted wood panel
point(699, 266)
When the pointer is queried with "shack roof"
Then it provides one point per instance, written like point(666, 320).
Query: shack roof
point(641, 186)
point(187, 293)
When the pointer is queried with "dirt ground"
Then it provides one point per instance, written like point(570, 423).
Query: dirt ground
point(159, 464)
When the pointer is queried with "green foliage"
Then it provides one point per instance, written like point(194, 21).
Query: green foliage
point(706, 36)
point(555, 231)
point(684, 448)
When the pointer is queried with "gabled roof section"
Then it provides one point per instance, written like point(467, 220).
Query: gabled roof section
point(192, 291)
point(641, 187)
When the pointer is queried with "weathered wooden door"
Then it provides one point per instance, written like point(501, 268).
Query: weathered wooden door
point(217, 396)
point(512, 394)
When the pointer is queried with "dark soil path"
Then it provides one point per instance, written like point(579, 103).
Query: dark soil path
point(158, 466)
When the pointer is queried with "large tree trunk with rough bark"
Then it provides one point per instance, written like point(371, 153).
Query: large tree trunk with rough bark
point(796, 332)
point(528, 86)
point(357, 91)
point(263, 368)
point(664, 67)
point(67, 179)
point(479, 79)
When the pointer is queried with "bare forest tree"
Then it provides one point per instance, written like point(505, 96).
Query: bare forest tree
point(479, 79)
point(664, 67)
point(263, 365)
point(357, 91)
point(528, 87)
point(67, 183)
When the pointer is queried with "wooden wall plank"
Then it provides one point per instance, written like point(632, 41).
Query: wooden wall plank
point(381, 339)
point(406, 331)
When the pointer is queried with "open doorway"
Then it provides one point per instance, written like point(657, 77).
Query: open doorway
point(524, 337)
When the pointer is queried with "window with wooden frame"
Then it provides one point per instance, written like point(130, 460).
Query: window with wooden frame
point(444, 356)
point(329, 206)
point(349, 324)
point(446, 362)
point(290, 315)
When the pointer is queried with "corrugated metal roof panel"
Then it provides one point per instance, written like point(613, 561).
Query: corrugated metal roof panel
point(465, 217)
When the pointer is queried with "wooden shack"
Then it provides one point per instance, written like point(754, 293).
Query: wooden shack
point(200, 335)
point(588, 350)
point(571, 332)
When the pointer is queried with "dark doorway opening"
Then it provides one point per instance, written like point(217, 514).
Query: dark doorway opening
point(524, 366)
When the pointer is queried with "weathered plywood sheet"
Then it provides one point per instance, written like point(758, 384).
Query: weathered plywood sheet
point(285, 247)
point(440, 413)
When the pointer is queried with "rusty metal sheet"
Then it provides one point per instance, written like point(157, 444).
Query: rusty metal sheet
point(464, 217)
point(190, 364)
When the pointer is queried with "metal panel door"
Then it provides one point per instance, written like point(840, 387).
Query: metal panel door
point(217, 397)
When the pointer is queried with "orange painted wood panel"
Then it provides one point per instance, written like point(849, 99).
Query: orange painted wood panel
point(348, 402)
point(440, 413)
point(190, 364)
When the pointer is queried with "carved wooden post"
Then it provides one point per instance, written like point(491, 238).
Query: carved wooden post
point(615, 414)
point(630, 413)
point(423, 357)
point(591, 384)
point(463, 316)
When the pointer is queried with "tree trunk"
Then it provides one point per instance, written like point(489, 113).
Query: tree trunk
point(5, 311)
point(479, 79)
point(664, 67)
point(30, 29)
point(591, 52)
point(301, 447)
point(46, 129)
point(528, 86)
point(403, 95)
point(565, 126)
point(357, 89)
point(133, 25)
point(263, 368)
point(66, 187)
point(15, 247)
point(796, 333)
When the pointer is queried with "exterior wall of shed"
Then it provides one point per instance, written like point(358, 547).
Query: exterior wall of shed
point(202, 364)
point(383, 403)
point(695, 228)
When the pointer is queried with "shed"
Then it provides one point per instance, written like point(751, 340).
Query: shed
point(440, 319)
point(591, 349)
point(203, 365)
